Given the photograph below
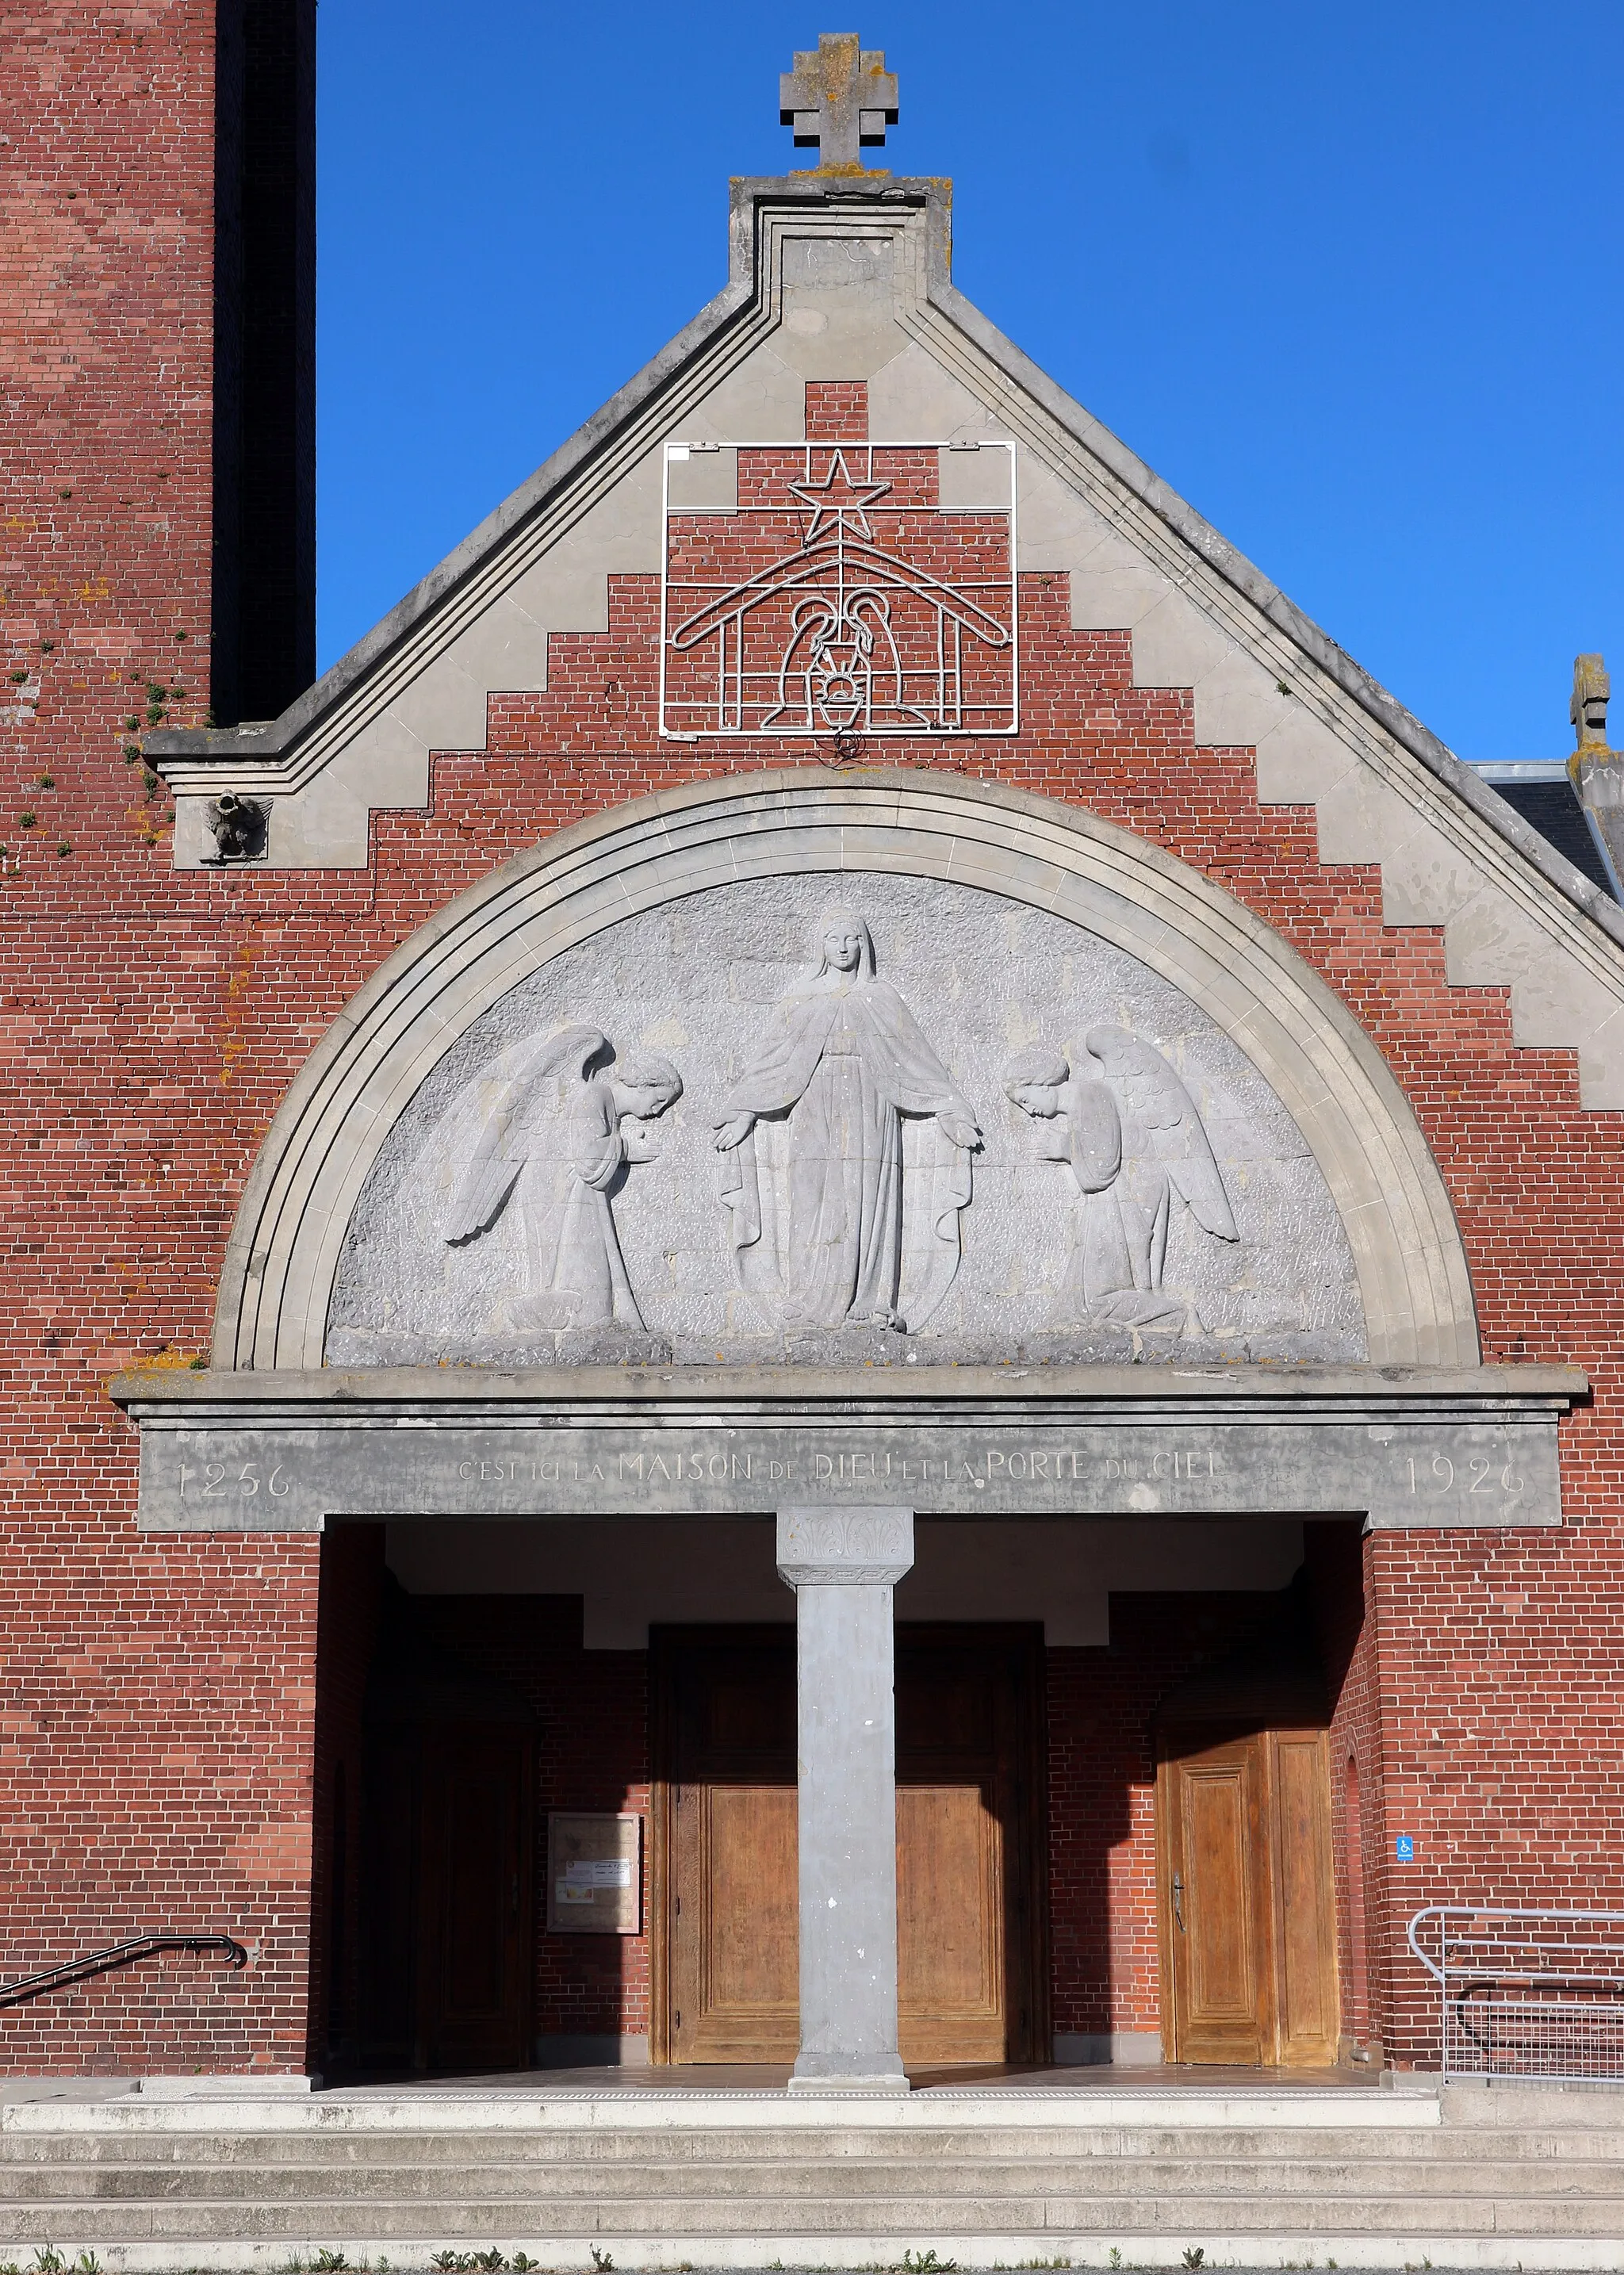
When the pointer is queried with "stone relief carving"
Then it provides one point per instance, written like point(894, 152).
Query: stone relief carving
point(849, 1548)
point(1145, 1196)
point(842, 1061)
point(553, 1138)
point(1133, 1145)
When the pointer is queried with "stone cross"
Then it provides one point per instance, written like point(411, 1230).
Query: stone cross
point(1588, 708)
point(839, 100)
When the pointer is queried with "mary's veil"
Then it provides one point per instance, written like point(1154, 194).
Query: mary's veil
point(850, 920)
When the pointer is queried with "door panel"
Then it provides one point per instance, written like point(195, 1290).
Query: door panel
point(735, 1942)
point(1310, 2023)
point(751, 1837)
point(1223, 1964)
point(733, 1937)
point(967, 1863)
point(445, 1952)
point(1219, 1953)
point(391, 1842)
point(949, 1922)
point(475, 1900)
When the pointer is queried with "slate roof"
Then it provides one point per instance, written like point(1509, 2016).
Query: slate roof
point(1542, 791)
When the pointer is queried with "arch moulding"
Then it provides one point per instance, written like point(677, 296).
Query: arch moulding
point(284, 1253)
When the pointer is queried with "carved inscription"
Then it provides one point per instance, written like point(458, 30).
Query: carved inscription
point(1436, 1475)
point(225, 1481)
point(274, 1479)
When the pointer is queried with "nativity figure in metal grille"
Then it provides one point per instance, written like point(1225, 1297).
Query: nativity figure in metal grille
point(843, 634)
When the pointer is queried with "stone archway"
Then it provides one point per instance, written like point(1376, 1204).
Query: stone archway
point(284, 1256)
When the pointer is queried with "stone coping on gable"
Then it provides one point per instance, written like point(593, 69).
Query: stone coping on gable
point(268, 754)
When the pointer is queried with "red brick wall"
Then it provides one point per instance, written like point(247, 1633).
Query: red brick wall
point(837, 409)
point(1502, 1732)
point(157, 1763)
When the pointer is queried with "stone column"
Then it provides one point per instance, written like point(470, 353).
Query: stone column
point(843, 1564)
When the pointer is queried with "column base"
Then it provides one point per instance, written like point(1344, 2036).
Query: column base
point(887, 2076)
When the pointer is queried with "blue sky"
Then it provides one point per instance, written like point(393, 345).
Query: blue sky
point(1350, 277)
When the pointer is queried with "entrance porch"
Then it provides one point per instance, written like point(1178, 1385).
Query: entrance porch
point(1088, 1711)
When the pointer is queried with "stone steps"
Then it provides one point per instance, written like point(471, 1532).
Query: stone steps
point(917, 2220)
point(525, 2181)
point(666, 2180)
point(590, 2155)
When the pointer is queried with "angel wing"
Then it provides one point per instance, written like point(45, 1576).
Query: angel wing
point(1156, 1099)
point(504, 1142)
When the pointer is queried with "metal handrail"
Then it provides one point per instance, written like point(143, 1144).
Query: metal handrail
point(1526, 1992)
point(117, 1955)
point(1497, 1912)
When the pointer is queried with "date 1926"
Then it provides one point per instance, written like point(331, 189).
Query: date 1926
point(1475, 1474)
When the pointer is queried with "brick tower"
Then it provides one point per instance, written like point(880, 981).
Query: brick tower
point(155, 428)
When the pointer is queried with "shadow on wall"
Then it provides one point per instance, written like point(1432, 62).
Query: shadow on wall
point(451, 1726)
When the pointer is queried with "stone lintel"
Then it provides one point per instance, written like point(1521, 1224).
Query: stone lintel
point(288, 1452)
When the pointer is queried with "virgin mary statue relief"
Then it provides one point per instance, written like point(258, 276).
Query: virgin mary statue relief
point(843, 1061)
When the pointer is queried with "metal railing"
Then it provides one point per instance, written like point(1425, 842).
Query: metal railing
point(117, 1955)
point(1525, 1993)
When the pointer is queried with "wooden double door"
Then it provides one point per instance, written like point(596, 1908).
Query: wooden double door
point(970, 1846)
point(1248, 1910)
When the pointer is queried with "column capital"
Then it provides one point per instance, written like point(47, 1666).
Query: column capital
point(844, 1547)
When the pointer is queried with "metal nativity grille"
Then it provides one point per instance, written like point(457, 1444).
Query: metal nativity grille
point(1526, 1993)
point(851, 589)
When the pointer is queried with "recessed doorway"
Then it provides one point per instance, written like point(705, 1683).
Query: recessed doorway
point(1247, 1906)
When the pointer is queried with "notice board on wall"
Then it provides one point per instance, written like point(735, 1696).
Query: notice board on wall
point(594, 1873)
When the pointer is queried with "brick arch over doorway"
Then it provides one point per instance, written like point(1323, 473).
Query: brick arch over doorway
point(284, 1249)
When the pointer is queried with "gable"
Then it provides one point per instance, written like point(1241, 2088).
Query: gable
point(846, 281)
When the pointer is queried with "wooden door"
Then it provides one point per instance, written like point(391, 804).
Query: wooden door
point(390, 1850)
point(968, 1854)
point(1217, 1901)
point(1247, 1914)
point(732, 1944)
